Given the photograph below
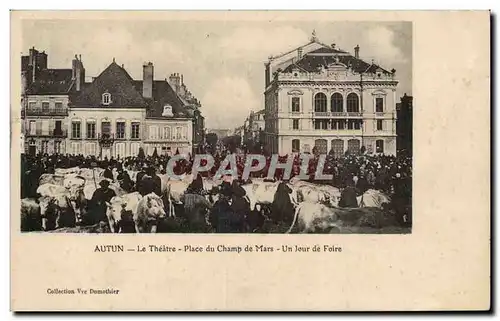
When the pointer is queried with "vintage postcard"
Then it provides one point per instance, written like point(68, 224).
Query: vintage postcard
point(250, 161)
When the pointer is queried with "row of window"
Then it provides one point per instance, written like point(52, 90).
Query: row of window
point(119, 149)
point(44, 147)
point(337, 103)
point(337, 124)
point(76, 130)
point(337, 146)
point(177, 133)
point(45, 105)
point(45, 127)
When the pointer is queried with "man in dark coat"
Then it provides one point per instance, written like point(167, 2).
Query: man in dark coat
point(155, 179)
point(222, 217)
point(240, 206)
point(362, 184)
point(98, 202)
point(282, 207)
point(138, 178)
point(348, 196)
point(125, 181)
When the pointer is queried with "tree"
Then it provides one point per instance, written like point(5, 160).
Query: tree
point(141, 154)
point(212, 140)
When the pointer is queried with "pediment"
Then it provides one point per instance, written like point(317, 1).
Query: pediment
point(295, 92)
point(379, 93)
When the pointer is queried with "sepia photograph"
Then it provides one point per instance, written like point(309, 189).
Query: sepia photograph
point(250, 160)
point(171, 127)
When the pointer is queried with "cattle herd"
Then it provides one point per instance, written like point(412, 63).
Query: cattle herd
point(63, 201)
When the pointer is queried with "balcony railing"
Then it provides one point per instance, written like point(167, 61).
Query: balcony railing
point(52, 132)
point(106, 139)
point(46, 112)
point(338, 114)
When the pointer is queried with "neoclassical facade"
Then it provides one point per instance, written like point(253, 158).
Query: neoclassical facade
point(323, 98)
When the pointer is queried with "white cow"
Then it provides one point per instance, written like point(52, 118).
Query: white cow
point(127, 202)
point(56, 209)
point(51, 179)
point(150, 208)
point(64, 171)
point(373, 198)
point(175, 191)
point(311, 217)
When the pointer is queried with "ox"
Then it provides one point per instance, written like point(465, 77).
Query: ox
point(118, 206)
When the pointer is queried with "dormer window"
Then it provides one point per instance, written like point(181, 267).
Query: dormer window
point(106, 98)
point(167, 111)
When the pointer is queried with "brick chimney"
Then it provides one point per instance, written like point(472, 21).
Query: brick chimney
point(147, 80)
point(356, 51)
point(78, 72)
point(299, 53)
point(175, 82)
point(37, 62)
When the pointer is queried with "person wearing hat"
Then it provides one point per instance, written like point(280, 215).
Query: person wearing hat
point(139, 176)
point(221, 213)
point(101, 195)
point(282, 207)
point(108, 173)
point(240, 207)
point(348, 196)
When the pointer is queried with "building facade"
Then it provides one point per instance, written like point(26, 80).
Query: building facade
point(115, 116)
point(321, 99)
point(112, 116)
point(44, 102)
point(193, 108)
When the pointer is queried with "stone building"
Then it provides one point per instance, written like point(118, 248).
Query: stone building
point(193, 108)
point(115, 115)
point(324, 99)
point(255, 125)
point(44, 102)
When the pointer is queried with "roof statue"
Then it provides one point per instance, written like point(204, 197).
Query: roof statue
point(313, 36)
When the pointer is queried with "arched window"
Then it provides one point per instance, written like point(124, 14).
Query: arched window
point(352, 103)
point(353, 146)
point(320, 103)
point(338, 147)
point(321, 146)
point(106, 98)
point(337, 103)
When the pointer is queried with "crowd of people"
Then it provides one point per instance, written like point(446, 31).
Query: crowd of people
point(352, 174)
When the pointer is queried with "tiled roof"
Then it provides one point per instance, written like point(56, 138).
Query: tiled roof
point(116, 81)
point(322, 57)
point(51, 81)
point(127, 92)
point(163, 95)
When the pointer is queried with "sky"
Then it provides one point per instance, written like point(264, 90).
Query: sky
point(222, 61)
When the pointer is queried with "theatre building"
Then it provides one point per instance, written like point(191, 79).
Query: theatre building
point(324, 99)
point(111, 115)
